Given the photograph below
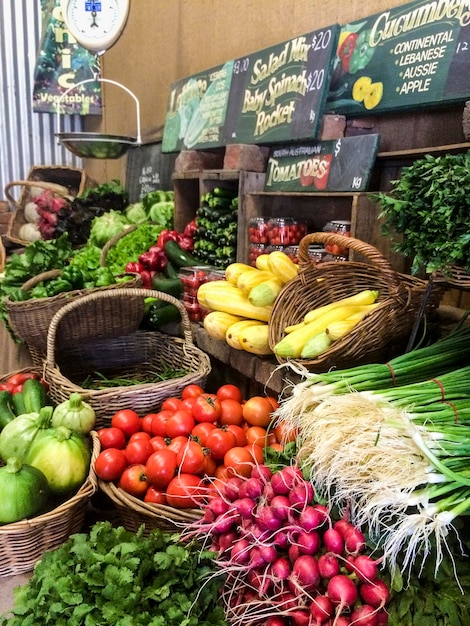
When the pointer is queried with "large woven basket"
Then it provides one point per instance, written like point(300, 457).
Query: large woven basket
point(79, 342)
point(23, 543)
point(134, 513)
point(29, 319)
point(383, 333)
point(54, 178)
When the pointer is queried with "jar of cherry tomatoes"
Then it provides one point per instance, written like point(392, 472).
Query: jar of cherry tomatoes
point(255, 251)
point(257, 230)
point(340, 227)
point(191, 279)
point(285, 231)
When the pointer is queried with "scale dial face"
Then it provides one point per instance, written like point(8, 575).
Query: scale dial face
point(95, 25)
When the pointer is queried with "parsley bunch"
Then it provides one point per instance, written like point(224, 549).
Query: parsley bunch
point(113, 576)
point(429, 206)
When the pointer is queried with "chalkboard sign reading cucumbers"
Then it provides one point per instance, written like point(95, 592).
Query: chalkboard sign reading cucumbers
point(413, 55)
point(277, 94)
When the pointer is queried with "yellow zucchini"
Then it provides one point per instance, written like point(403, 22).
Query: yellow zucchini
point(232, 336)
point(220, 295)
point(216, 323)
point(262, 262)
point(281, 265)
point(249, 279)
point(233, 271)
point(367, 296)
point(316, 345)
point(255, 339)
point(266, 292)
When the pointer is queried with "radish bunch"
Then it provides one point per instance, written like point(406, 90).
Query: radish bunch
point(287, 562)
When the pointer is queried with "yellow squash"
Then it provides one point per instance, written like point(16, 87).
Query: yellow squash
point(232, 336)
point(216, 323)
point(255, 339)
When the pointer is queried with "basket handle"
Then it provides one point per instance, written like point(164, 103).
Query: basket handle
point(396, 287)
point(35, 280)
point(117, 293)
point(60, 190)
point(111, 242)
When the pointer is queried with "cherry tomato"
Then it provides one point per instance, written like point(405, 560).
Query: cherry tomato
point(285, 434)
point(201, 430)
point(231, 412)
point(240, 434)
point(171, 404)
point(207, 408)
point(138, 451)
point(229, 391)
point(239, 461)
point(127, 420)
point(180, 423)
point(155, 495)
point(256, 434)
point(110, 464)
point(161, 467)
point(191, 458)
point(158, 443)
point(111, 437)
point(219, 441)
point(133, 480)
point(191, 391)
point(177, 443)
point(185, 491)
point(146, 423)
point(158, 422)
point(257, 411)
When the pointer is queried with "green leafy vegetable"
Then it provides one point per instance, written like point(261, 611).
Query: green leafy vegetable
point(106, 226)
point(112, 576)
point(129, 248)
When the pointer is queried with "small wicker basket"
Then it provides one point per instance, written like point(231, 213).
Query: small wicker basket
point(133, 513)
point(382, 333)
point(81, 340)
point(23, 543)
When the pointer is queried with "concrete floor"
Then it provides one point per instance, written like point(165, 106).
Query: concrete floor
point(7, 584)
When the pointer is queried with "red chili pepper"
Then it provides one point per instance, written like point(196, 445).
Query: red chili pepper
point(346, 50)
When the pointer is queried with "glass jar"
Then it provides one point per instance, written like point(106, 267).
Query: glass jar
point(257, 230)
point(254, 252)
point(285, 231)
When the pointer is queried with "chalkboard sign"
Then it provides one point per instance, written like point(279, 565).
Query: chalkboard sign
point(413, 55)
point(339, 165)
point(197, 109)
point(147, 169)
point(277, 94)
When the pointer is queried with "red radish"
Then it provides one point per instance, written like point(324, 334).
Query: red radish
point(382, 617)
point(305, 572)
point(281, 506)
point(262, 472)
point(293, 552)
point(275, 621)
point(354, 541)
point(286, 601)
point(364, 567)
point(342, 620)
point(218, 505)
point(240, 552)
point(256, 560)
point(268, 553)
point(376, 593)
point(308, 542)
point(301, 495)
point(343, 527)
point(226, 540)
point(328, 565)
point(299, 617)
point(232, 487)
point(251, 488)
point(245, 507)
point(281, 569)
point(364, 615)
point(333, 541)
point(342, 592)
point(321, 609)
point(267, 519)
point(310, 518)
point(283, 480)
point(281, 539)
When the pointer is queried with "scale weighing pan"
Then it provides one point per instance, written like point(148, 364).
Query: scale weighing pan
point(97, 145)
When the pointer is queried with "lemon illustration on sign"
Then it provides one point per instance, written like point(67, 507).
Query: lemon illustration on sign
point(374, 95)
point(361, 88)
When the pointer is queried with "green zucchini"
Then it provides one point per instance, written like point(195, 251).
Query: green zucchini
point(159, 316)
point(171, 271)
point(17, 403)
point(178, 256)
point(172, 286)
point(34, 395)
point(6, 411)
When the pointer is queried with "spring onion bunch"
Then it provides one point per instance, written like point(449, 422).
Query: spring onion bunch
point(398, 458)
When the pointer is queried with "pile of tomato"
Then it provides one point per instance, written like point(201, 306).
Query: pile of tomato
point(178, 454)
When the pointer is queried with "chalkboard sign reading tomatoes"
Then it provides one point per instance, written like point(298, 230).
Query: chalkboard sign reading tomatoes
point(341, 165)
point(413, 55)
point(277, 94)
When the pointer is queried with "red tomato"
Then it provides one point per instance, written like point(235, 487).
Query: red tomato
point(185, 491)
point(177, 443)
point(127, 420)
point(239, 461)
point(231, 412)
point(20, 378)
point(134, 480)
point(256, 452)
point(191, 391)
point(138, 451)
point(207, 408)
point(171, 404)
point(285, 434)
point(158, 443)
point(155, 495)
point(273, 401)
point(201, 431)
point(240, 434)
point(191, 458)
point(161, 467)
point(276, 446)
point(139, 435)
point(219, 441)
point(180, 423)
point(111, 437)
point(222, 473)
point(187, 404)
point(110, 464)
point(229, 391)
point(210, 466)
point(146, 424)
point(257, 411)
point(158, 422)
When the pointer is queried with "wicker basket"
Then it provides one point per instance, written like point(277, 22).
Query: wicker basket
point(3, 255)
point(382, 333)
point(133, 513)
point(23, 543)
point(86, 345)
point(54, 178)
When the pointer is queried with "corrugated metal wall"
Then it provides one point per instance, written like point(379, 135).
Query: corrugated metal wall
point(26, 138)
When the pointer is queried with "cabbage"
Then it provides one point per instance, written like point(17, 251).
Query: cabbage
point(106, 226)
point(136, 213)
